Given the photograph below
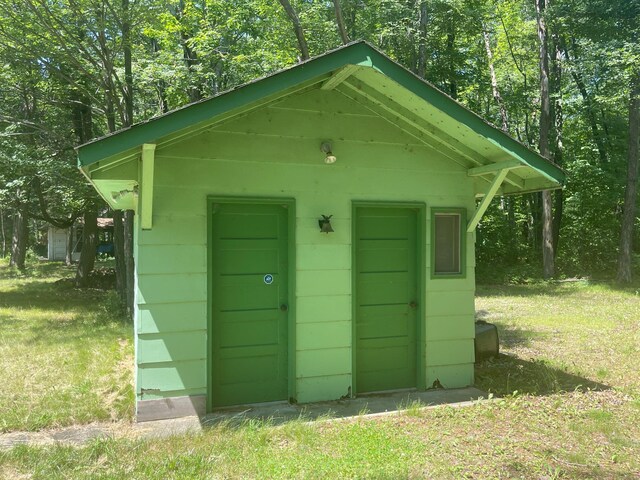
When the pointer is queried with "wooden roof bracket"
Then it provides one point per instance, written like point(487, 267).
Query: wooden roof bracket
point(147, 160)
point(338, 77)
point(484, 203)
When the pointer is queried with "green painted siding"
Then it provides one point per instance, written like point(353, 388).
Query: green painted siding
point(275, 152)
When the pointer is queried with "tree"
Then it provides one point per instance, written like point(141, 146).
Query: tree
point(340, 22)
point(543, 146)
point(89, 245)
point(625, 269)
point(297, 28)
point(71, 71)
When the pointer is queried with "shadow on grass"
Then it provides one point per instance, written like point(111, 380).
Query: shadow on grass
point(528, 290)
point(512, 337)
point(37, 269)
point(507, 374)
point(61, 313)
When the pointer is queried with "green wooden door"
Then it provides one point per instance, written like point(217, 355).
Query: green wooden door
point(386, 298)
point(249, 303)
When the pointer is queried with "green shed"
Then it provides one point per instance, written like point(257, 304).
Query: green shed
point(307, 236)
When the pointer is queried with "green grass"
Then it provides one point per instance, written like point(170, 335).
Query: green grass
point(65, 354)
point(567, 406)
point(562, 336)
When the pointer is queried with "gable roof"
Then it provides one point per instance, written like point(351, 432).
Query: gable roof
point(365, 74)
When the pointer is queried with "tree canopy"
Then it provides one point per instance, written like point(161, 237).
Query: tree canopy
point(73, 70)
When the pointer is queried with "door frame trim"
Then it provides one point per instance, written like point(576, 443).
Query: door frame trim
point(291, 284)
point(421, 226)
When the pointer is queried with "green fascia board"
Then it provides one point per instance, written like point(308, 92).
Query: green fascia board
point(361, 53)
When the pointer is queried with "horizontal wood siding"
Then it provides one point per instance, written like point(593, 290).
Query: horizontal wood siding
point(276, 152)
point(172, 317)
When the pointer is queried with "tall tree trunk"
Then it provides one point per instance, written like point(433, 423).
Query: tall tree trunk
point(68, 254)
point(119, 254)
point(352, 15)
point(110, 112)
point(127, 94)
point(494, 81)
point(545, 128)
point(89, 246)
point(128, 215)
point(19, 239)
point(512, 229)
point(535, 222)
point(421, 69)
point(128, 239)
point(191, 60)
point(161, 86)
point(587, 101)
point(340, 22)
point(189, 56)
point(3, 253)
point(625, 261)
point(451, 43)
point(558, 119)
point(297, 27)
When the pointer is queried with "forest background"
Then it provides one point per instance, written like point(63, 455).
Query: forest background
point(561, 76)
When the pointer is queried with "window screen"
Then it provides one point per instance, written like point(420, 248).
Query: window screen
point(447, 243)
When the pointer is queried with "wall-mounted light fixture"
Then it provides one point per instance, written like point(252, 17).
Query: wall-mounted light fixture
point(325, 224)
point(327, 150)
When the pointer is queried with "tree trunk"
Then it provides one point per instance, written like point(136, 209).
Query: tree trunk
point(625, 260)
point(588, 106)
point(127, 94)
point(545, 128)
point(421, 69)
point(191, 60)
point(19, 239)
point(534, 227)
point(89, 245)
point(128, 258)
point(297, 27)
point(118, 253)
point(161, 86)
point(451, 44)
point(494, 81)
point(340, 22)
point(558, 122)
point(68, 255)
point(4, 235)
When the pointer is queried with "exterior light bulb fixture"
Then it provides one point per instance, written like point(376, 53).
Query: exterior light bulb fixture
point(329, 156)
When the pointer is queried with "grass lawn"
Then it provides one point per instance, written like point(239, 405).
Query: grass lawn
point(65, 354)
point(569, 407)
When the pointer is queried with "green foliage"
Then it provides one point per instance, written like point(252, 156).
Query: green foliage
point(63, 81)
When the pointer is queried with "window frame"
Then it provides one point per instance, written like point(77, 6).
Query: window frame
point(462, 213)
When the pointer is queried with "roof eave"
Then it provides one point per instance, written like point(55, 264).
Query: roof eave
point(125, 143)
point(462, 114)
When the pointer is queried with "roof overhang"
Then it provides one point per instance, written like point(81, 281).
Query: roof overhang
point(357, 71)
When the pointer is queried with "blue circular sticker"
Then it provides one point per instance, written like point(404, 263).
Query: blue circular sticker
point(268, 279)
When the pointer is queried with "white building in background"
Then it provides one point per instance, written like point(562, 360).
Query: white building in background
point(57, 239)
